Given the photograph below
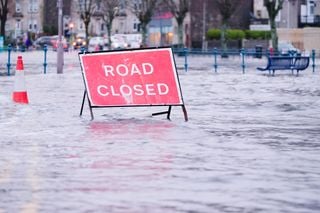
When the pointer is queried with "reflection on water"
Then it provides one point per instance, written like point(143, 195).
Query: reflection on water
point(132, 128)
point(139, 151)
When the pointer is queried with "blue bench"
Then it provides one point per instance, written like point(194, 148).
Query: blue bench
point(292, 63)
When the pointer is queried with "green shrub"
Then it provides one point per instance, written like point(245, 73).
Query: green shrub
point(257, 34)
point(266, 34)
point(231, 34)
point(213, 34)
point(235, 34)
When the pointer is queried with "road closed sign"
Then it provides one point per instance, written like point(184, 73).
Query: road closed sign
point(139, 77)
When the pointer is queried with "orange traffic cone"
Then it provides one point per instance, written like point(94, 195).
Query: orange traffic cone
point(20, 93)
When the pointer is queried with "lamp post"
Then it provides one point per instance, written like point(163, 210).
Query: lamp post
point(59, 42)
point(288, 14)
point(71, 26)
point(160, 23)
point(204, 11)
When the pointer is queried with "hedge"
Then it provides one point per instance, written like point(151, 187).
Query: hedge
point(213, 34)
point(235, 34)
point(257, 34)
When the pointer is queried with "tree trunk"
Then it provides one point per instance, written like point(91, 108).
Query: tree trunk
point(109, 34)
point(3, 24)
point(224, 40)
point(144, 34)
point(180, 35)
point(86, 25)
point(274, 35)
point(273, 8)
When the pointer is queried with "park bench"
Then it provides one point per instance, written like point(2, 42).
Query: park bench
point(292, 63)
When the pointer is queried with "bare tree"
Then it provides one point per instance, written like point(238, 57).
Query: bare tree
point(226, 8)
point(86, 10)
point(109, 9)
point(273, 8)
point(3, 16)
point(143, 9)
point(179, 8)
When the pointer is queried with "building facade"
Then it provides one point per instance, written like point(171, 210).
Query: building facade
point(294, 14)
point(298, 22)
point(24, 16)
point(205, 15)
point(309, 13)
point(40, 17)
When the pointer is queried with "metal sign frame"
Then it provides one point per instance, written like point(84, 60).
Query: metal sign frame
point(86, 94)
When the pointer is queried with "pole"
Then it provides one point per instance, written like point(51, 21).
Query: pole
point(288, 14)
point(160, 19)
point(9, 58)
point(59, 43)
point(185, 51)
point(242, 53)
point(45, 49)
point(215, 52)
point(313, 60)
point(204, 25)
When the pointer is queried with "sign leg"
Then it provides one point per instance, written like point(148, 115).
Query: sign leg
point(82, 106)
point(84, 97)
point(90, 107)
point(164, 112)
point(91, 113)
point(185, 113)
point(169, 112)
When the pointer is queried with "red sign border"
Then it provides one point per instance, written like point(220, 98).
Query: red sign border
point(87, 95)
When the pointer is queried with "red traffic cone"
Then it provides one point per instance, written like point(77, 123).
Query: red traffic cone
point(20, 93)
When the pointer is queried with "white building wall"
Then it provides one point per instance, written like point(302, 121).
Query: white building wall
point(287, 17)
point(259, 10)
point(27, 16)
point(121, 24)
point(24, 16)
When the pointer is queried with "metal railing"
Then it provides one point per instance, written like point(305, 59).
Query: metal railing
point(244, 54)
point(9, 49)
point(217, 54)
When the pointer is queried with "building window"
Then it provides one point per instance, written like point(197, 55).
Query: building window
point(33, 6)
point(312, 5)
point(259, 13)
point(18, 24)
point(18, 6)
point(136, 27)
point(122, 5)
point(32, 25)
point(82, 5)
point(98, 6)
point(137, 6)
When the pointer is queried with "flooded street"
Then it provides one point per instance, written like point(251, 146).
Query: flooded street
point(252, 144)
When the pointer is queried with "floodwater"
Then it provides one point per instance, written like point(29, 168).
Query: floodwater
point(252, 144)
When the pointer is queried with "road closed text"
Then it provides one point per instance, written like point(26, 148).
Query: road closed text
point(134, 88)
point(137, 89)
